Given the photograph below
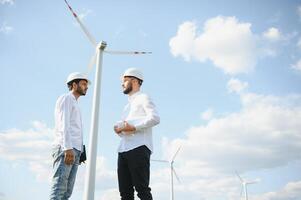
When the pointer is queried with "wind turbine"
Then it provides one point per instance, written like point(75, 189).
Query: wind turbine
point(97, 58)
point(245, 184)
point(172, 172)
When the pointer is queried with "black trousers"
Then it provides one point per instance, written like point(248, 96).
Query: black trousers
point(133, 172)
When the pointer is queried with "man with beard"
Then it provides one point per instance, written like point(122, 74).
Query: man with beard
point(68, 143)
point(136, 143)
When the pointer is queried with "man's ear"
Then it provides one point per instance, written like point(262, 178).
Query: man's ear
point(74, 85)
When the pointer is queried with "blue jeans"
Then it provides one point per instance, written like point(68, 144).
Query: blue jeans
point(63, 175)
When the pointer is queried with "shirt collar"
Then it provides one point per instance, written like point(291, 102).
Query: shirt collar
point(72, 95)
point(132, 97)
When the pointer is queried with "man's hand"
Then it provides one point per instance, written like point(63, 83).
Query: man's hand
point(126, 128)
point(69, 157)
point(117, 129)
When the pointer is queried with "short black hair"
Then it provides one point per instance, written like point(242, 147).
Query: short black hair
point(70, 84)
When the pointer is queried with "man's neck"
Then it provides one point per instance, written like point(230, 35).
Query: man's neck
point(134, 91)
point(75, 94)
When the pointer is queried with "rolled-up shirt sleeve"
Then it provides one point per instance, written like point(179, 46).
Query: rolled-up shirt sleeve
point(65, 115)
point(152, 117)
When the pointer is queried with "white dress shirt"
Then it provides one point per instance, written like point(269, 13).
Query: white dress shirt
point(68, 123)
point(143, 115)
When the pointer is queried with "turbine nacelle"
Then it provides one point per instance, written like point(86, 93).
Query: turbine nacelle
point(102, 45)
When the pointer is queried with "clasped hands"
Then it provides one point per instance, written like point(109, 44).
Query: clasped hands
point(126, 128)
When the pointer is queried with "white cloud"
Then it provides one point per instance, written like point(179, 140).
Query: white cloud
point(235, 85)
point(228, 43)
point(257, 137)
point(291, 191)
point(272, 34)
point(6, 29)
point(22, 146)
point(297, 66)
point(10, 2)
point(183, 44)
point(272, 40)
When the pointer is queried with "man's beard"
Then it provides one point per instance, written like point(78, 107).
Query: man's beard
point(81, 91)
point(128, 89)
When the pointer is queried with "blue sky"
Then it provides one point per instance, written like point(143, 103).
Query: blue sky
point(225, 76)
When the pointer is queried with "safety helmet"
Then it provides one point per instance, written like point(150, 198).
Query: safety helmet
point(133, 72)
point(77, 75)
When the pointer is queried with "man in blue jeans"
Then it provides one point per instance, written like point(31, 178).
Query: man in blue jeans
point(136, 143)
point(68, 143)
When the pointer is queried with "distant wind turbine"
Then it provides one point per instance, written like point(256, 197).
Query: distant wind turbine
point(244, 184)
point(172, 172)
point(97, 58)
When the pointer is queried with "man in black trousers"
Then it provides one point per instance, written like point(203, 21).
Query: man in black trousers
point(136, 144)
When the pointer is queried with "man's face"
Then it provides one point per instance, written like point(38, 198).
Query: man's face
point(82, 87)
point(127, 85)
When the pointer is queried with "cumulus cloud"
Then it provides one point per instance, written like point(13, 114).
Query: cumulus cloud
point(297, 66)
point(6, 29)
point(291, 191)
point(183, 44)
point(22, 146)
point(272, 34)
point(235, 85)
point(10, 2)
point(227, 42)
point(264, 134)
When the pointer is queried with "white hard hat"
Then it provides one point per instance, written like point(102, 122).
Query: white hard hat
point(77, 75)
point(133, 72)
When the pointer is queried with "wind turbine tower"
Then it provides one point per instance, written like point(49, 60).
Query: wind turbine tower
point(89, 187)
point(245, 184)
point(172, 172)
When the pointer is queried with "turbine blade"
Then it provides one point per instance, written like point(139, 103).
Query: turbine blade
point(241, 180)
point(252, 182)
point(128, 52)
point(87, 33)
point(176, 153)
point(174, 171)
point(155, 160)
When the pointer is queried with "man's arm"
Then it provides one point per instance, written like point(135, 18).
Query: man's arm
point(152, 117)
point(65, 115)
